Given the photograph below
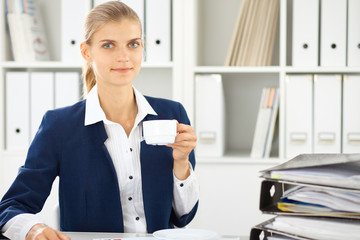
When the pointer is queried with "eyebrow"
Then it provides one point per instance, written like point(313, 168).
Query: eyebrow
point(110, 40)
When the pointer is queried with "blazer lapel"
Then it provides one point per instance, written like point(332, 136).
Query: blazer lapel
point(99, 134)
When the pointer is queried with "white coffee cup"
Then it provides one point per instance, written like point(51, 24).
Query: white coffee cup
point(159, 132)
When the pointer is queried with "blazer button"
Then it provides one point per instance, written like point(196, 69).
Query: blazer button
point(130, 198)
point(130, 177)
point(137, 218)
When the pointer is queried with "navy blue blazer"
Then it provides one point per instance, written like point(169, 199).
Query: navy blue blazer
point(89, 195)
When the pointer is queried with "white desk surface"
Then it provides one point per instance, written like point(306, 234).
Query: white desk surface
point(90, 236)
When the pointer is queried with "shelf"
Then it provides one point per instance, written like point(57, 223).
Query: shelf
point(227, 69)
point(62, 65)
point(275, 69)
point(238, 158)
point(48, 64)
point(310, 70)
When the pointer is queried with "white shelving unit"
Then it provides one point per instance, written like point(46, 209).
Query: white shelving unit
point(201, 32)
point(208, 40)
point(230, 185)
point(223, 207)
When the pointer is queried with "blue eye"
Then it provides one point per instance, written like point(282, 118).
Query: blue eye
point(108, 45)
point(134, 44)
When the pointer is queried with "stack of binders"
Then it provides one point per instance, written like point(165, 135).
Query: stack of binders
point(315, 196)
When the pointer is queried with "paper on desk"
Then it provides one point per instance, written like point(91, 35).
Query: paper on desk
point(346, 175)
point(313, 160)
point(320, 228)
point(333, 200)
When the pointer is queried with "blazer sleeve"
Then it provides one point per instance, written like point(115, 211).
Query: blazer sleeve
point(185, 219)
point(33, 183)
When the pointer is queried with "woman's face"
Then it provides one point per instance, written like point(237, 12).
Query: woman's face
point(116, 52)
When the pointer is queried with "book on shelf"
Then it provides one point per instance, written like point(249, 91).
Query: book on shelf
point(265, 123)
point(253, 37)
point(27, 35)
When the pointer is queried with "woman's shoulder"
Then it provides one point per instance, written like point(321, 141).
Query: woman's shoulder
point(162, 102)
point(62, 121)
point(68, 113)
point(168, 109)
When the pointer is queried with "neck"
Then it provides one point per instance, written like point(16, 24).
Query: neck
point(119, 104)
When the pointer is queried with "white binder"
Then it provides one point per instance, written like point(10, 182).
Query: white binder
point(261, 127)
point(67, 88)
point(209, 115)
point(353, 33)
point(158, 31)
point(351, 114)
point(333, 33)
point(305, 33)
point(327, 113)
point(298, 114)
point(17, 110)
point(98, 2)
point(270, 132)
point(138, 7)
point(41, 98)
point(73, 15)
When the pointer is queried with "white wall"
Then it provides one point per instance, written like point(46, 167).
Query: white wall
point(229, 198)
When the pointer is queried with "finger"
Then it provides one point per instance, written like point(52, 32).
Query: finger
point(62, 235)
point(50, 233)
point(185, 137)
point(40, 237)
point(183, 144)
point(184, 128)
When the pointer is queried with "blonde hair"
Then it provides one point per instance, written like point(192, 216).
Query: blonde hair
point(98, 17)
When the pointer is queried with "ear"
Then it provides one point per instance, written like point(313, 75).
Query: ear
point(85, 51)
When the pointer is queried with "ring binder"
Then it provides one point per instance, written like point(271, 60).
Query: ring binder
point(339, 221)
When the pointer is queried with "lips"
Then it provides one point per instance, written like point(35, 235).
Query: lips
point(122, 70)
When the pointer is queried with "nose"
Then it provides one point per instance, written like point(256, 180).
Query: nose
point(122, 55)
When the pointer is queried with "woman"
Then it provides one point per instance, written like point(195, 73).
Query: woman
point(110, 180)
